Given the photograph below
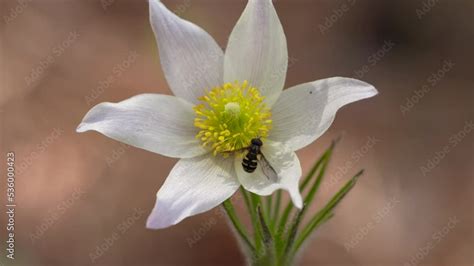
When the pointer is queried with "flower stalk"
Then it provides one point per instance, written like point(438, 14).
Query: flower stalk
point(239, 228)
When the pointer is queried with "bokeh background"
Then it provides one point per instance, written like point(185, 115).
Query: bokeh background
point(75, 192)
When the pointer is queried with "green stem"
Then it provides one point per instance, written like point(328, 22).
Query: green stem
point(255, 203)
point(253, 215)
point(281, 229)
point(276, 210)
point(239, 228)
point(269, 255)
point(268, 210)
point(285, 258)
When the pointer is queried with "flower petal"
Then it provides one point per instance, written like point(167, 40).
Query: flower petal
point(158, 123)
point(305, 112)
point(286, 165)
point(194, 186)
point(257, 50)
point(191, 60)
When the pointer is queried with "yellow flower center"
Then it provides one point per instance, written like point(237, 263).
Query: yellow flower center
point(230, 116)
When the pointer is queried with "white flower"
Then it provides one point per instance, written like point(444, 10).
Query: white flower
point(222, 102)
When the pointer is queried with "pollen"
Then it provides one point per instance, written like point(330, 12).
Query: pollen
point(230, 116)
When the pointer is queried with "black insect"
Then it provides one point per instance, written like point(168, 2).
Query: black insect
point(254, 157)
point(250, 161)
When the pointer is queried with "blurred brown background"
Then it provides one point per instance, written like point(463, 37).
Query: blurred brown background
point(82, 199)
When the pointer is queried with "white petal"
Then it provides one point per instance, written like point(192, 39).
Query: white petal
point(257, 50)
point(286, 165)
point(158, 123)
point(305, 112)
point(191, 60)
point(194, 186)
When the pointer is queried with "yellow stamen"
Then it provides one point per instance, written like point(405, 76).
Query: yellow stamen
point(230, 116)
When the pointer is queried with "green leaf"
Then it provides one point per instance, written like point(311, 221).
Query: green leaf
point(269, 209)
point(267, 235)
point(316, 166)
point(254, 219)
point(276, 211)
point(320, 165)
point(269, 255)
point(291, 236)
point(308, 199)
point(264, 251)
point(229, 208)
point(326, 213)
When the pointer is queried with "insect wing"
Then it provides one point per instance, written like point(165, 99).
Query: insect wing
point(267, 169)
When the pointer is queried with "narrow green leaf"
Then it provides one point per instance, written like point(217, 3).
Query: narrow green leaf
point(326, 213)
point(263, 256)
point(269, 209)
point(292, 235)
point(308, 199)
point(316, 166)
point(269, 255)
point(254, 220)
point(276, 210)
point(281, 230)
point(320, 165)
point(292, 252)
point(229, 208)
point(267, 235)
point(327, 218)
point(312, 171)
